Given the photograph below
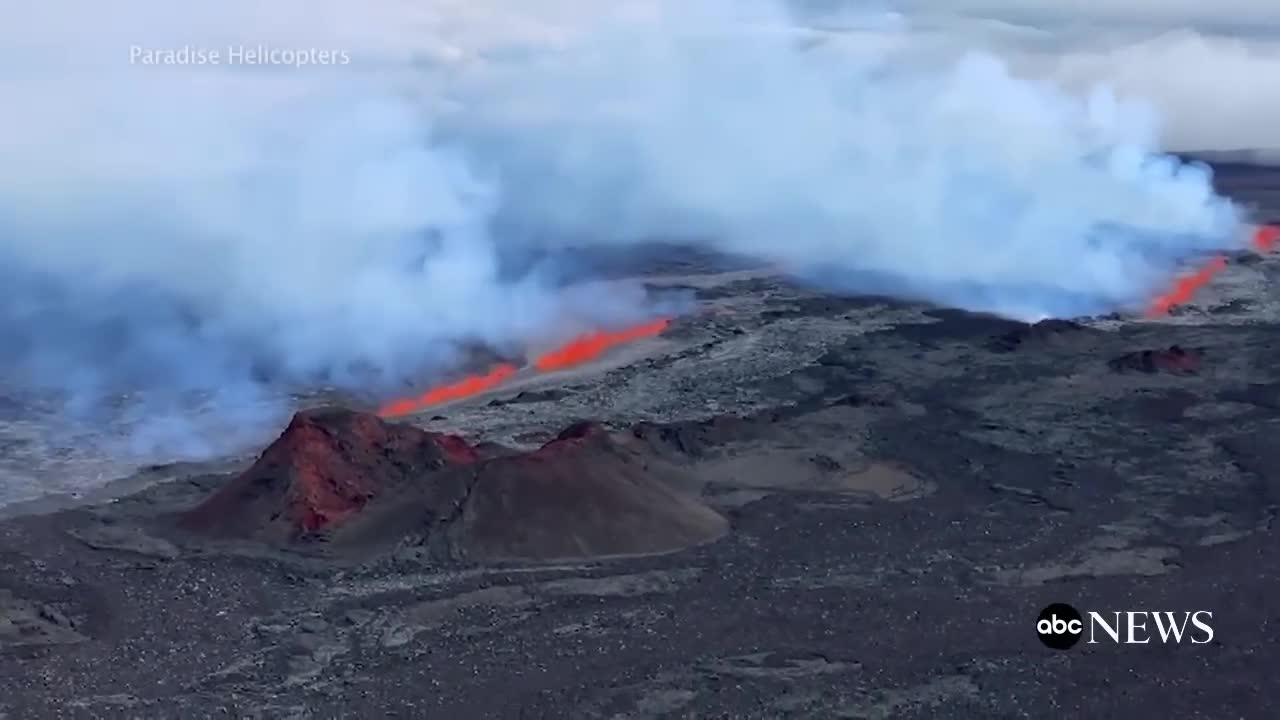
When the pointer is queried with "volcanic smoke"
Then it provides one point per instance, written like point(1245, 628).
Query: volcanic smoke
point(238, 234)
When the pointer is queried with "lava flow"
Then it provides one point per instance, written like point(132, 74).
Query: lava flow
point(1266, 237)
point(1264, 240)
point(589, 347)
point(580, 350)
point(463, 388)
point(1186, 287)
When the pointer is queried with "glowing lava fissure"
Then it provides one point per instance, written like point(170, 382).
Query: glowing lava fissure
point(582, 349)
point(589, 347)
point(1264, 240)
point(1185, 288)
point(466, 387)
point(1266, 237)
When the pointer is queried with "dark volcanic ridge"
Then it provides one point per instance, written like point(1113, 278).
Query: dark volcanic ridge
point(349, 482)
point(1175, 359)
point(1051, 332)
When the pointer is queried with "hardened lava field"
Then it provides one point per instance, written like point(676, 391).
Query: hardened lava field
point(787, 504)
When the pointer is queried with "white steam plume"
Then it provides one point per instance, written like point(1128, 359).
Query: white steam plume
point(878, 160)
point(173, 228)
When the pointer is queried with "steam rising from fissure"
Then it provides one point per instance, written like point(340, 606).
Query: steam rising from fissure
point(176, 232)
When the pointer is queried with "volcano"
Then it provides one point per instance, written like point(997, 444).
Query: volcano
point(362, 485)
point(324, 468)
point(584, 494)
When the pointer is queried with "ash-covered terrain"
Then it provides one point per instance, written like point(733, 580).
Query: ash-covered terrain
point(787, 505)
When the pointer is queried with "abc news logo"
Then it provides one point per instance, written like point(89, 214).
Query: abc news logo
point(1061, 626)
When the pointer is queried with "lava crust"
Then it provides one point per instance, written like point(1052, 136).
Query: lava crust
point(1175, 360)
point(1045, 331)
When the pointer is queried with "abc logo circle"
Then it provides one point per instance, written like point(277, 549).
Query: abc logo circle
point(1060, 626)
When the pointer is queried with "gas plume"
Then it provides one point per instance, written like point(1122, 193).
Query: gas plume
point(217, 227)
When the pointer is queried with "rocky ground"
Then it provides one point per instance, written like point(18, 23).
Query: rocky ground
point(789, 505)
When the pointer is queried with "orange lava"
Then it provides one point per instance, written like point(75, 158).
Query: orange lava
point(589, 347)
point(580, 350)
point(1186, 287)
point(463, 388)
point(1265, 237)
